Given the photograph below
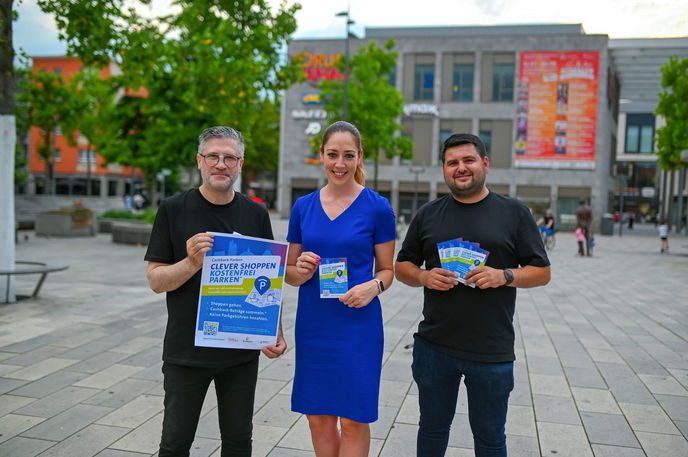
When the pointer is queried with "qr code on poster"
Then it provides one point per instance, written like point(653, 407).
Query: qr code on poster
point(210, 328)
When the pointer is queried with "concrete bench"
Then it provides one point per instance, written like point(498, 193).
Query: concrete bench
point(30, 268)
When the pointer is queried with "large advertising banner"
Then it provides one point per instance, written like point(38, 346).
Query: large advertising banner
point(240, 299)
point(556, 109)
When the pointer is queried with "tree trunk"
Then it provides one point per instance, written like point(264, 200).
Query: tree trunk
point(8, 138)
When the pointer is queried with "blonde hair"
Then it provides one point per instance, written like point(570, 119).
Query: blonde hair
point(343, 126)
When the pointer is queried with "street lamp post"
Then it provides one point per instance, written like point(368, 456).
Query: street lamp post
point(346, 63)
point(416, 172)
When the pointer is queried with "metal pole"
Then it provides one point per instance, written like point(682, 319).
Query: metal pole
point(416, 172)
point(621, 209)
point(345, 113)
point(346, 70)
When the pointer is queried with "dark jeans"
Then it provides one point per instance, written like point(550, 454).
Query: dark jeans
point(488, 385)
point(185, 390)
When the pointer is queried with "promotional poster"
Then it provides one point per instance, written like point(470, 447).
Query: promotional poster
point(241, 292)
point(556, 109)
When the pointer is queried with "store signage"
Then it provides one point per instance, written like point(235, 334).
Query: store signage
point(311, 98)
point(319, 66)
point(421, 108)
point(308, 114)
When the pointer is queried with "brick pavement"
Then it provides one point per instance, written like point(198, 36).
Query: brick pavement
point(602, 365)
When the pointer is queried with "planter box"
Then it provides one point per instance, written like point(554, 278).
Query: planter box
point(131, 233)
point(59, 224)
point(105, 223)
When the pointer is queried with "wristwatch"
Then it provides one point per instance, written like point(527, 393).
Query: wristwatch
point(509, 275)
point(380, 285)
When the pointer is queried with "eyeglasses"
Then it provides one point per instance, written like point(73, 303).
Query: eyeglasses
point(212, 160)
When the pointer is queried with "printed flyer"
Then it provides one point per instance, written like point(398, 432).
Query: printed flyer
point(461, 257)
point(240, 300)
point(333, 277)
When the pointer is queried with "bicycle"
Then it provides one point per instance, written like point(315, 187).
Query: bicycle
point(548, 238)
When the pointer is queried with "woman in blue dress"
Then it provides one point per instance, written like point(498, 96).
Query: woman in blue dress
point(339, 341)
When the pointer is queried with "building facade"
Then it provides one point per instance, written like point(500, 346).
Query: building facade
point(538, 96)
point(642, 188)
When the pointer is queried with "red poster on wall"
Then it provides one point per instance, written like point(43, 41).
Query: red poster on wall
point(556, 109)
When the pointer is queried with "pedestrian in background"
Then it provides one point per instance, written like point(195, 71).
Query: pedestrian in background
point(663, 230)
point(584, 221)
point(580, 238)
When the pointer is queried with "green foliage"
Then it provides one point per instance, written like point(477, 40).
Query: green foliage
point(119, 214)
point(211, 63)
point(373, 104)
point(48, 102)
point(262, 154)
point(147, 216)
point(673, 106)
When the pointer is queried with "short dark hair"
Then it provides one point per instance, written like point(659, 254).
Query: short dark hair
point(458, 139)
point(222, 132)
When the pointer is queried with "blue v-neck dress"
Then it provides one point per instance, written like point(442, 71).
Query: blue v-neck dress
point(339, 349)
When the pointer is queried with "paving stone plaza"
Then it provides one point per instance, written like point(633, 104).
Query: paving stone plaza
point(601, 370)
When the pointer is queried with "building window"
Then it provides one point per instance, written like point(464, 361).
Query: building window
point(462, 89)
point(640, 131)
point(503, 82)
point(112, 188)
point(424, 82)
point(87, 156)
point(57, 155)
point(486, 138)
point(393, 78)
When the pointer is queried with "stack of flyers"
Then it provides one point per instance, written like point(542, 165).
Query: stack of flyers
point(333, 277)
point(461, 257)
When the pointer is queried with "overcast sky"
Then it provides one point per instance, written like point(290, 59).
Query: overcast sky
point(36, 33)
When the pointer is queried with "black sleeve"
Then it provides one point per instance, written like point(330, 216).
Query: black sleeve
point(267, 226)
point(529, 247)
point(412, 248)
point(160, 244)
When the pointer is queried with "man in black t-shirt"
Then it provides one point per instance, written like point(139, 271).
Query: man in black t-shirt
point(467, 330)
point(178, 242)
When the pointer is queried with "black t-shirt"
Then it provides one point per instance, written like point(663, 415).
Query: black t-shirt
point(546, 220)
point(473, 323)
point(178, 219)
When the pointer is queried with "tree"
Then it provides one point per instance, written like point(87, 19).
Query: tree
point(263, 152)
point(673, 106)
point(212, 63)
point(374, 105)
point(52, 105)
point(7, 148)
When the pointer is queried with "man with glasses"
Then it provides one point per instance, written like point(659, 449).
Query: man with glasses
point(179, 240)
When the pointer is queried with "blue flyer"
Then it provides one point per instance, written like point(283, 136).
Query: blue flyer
point(240, 299)
point(461, 256)
point(333, 277)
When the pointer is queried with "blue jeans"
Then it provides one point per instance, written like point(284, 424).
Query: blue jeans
point(185, 390)
point(488, 385)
